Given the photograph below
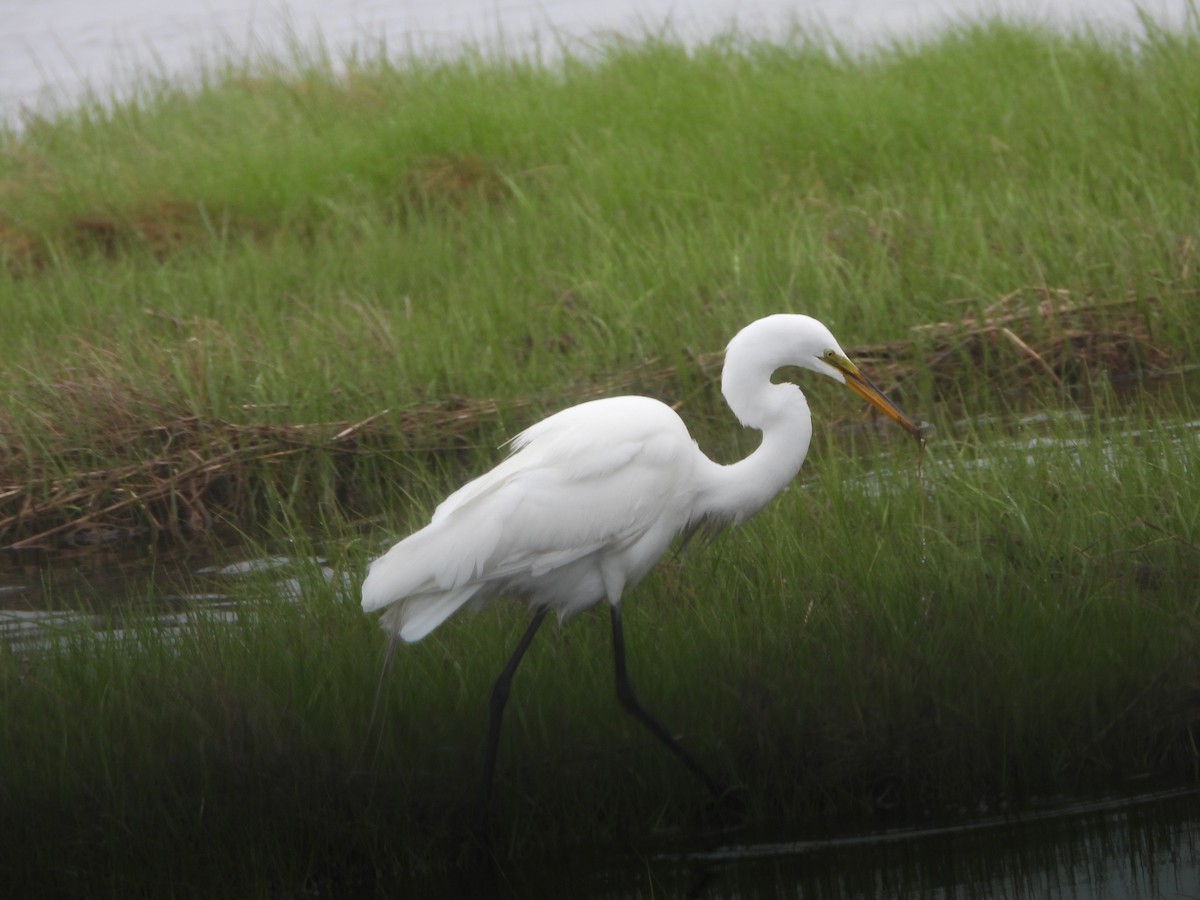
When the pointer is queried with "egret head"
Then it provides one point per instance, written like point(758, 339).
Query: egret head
point(785, 339)
point(820, 352)
point(834, 363)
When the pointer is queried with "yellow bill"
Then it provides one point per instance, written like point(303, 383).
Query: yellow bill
point(865, 388)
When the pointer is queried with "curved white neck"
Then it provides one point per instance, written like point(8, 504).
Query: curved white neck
point(737, 491)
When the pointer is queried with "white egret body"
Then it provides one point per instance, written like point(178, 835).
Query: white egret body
point(591, 497)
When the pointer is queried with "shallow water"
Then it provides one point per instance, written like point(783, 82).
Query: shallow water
point(51, 601)
point(51, 51)
point(1119, 847)
point(1134, 847)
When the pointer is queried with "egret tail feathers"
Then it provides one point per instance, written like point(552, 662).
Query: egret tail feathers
point(414, 617)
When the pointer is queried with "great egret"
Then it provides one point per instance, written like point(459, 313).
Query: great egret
point(592, 496)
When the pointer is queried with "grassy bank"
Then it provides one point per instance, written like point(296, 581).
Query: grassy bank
point(290, 299)
point(235, 275)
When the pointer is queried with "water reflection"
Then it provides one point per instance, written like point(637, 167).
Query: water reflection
point(36, 630)
point(97, 597)
point(1120, 848)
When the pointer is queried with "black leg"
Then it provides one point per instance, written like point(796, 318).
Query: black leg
point(499, 698)
point(632, 705)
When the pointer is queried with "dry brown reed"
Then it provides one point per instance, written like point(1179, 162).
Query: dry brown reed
point(190, 473)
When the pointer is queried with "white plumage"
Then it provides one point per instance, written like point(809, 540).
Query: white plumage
point(592, 496)
point(587, 502)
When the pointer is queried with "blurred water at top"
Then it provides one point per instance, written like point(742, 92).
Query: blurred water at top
point(51, 50)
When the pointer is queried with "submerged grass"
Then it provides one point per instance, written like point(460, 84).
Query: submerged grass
point(1020, 620)
point(291, 297)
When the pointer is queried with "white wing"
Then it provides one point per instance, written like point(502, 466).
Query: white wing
point(584, 506)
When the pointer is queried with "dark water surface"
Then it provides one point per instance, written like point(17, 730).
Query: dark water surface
point(1134, 847)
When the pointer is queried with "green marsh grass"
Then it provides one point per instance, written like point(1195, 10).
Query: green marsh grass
point(287, 246)
point(283, 241)
point(1019, 621)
